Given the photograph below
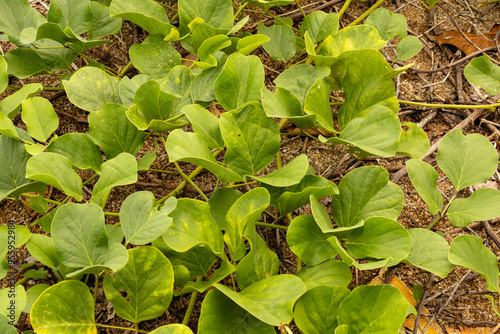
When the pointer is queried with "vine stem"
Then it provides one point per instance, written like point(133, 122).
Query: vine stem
point(300, 7)
point(123, 328)
point(192, 302)
point(190, 181)
point(272, 226)
point(240, 9)
point(365, 14)
point(43, 88)
point(344, 8)
point(125, 69)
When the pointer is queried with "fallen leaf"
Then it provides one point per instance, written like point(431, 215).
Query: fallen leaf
point(455, 38)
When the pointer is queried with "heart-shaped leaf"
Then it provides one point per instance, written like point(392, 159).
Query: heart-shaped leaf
point(329, 273)
point(119, 171)
point(316, 310)
point(142, 290)
point(216, 13)
point(75, 312)
point(81, 240)
point(112, 130)
point(429, 251)
point(483, 73)
point(56, 170)
point(221, 315)
point(352, 38)
point(142, 220)
point(240, 81)
point(154, 57)
point(468, 251)
point(466, 160)
point(281, 44)
point(252, 139)
point(283, 290)
point(320, 25)
point(414, 142)
point(387, 23)
point(366, 192)
point(75, 14)
point(408, 47)
point(90, 88)
point(424, 178)
point(80, 149)
point(481, 205)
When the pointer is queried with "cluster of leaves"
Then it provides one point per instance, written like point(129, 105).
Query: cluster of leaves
point(194, 245)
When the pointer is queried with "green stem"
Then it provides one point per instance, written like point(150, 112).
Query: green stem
point(44, 88)
point(240, 10)
point(90, 179)
point(192, 302)
point(491, 107)
point(344, 8)
point(190, 181)
point(51, 201)
point(162, 171)
point(123, 328)
point(443, 212)
point(272, 226)
point(112, 214)
point(271, 215)
point(234, 185)
point(300, 7)
point(125, 69)
point(365, 14)
point(96, 287)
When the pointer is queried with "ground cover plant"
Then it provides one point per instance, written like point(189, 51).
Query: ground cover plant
point(214, 108)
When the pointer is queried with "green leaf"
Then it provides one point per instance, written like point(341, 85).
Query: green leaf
point(205, 124)
point(90, 88)
point(41, 247)
point(102, 23)
point(373, 309)
point(128, 87)
point(114, 132)
point(208, 48)
point(252, 139)
point(59, 59)
point(296, 196)
point(154, 57)
point(75, 14)
point(320, 25)
point(32, 295)
point(193, 225)
point(216, 13)
point(202, 88)
point(142, 220)
point(220, 202)
point(316, 311)
point(468, 251)
point(245, 210)
point(352, 38)
point(299, 79)
point(376, 134)
point(408, 47)
point(80, 149)
point(12, 103)
point(259, 263)
point(13, 160)
point(197, 152)
point(466, 160)
point(414, 142)
point(283, 290)
point(289, 175)
point(16, 16)
point(221, 315)
point(147, 14)
point(248, 44)
point(40, 118)
point(224, 270)
point(379, 238)
point(119, 171)
point(197, 260)
point(240, 81)
point(12, 302)
point(56, 170)
point(424, 178)
point(281, 44)
point(429, 251)
point(306, 239)
point(73, 314)
point(283, 104)
point(483, 73)
point(172, 329)
point(317, 103)
point(361, 97)
point(179, 82)
point(481, 205)
point(39, 204)
point(142, 290)
point(320, 215)
point(266, 4)
point(387, 23)
point(22, 235)
point(4, 78)
point(366, 192)
point(81, 241)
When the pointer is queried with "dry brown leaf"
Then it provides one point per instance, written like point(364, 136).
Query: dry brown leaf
point(455, 38)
